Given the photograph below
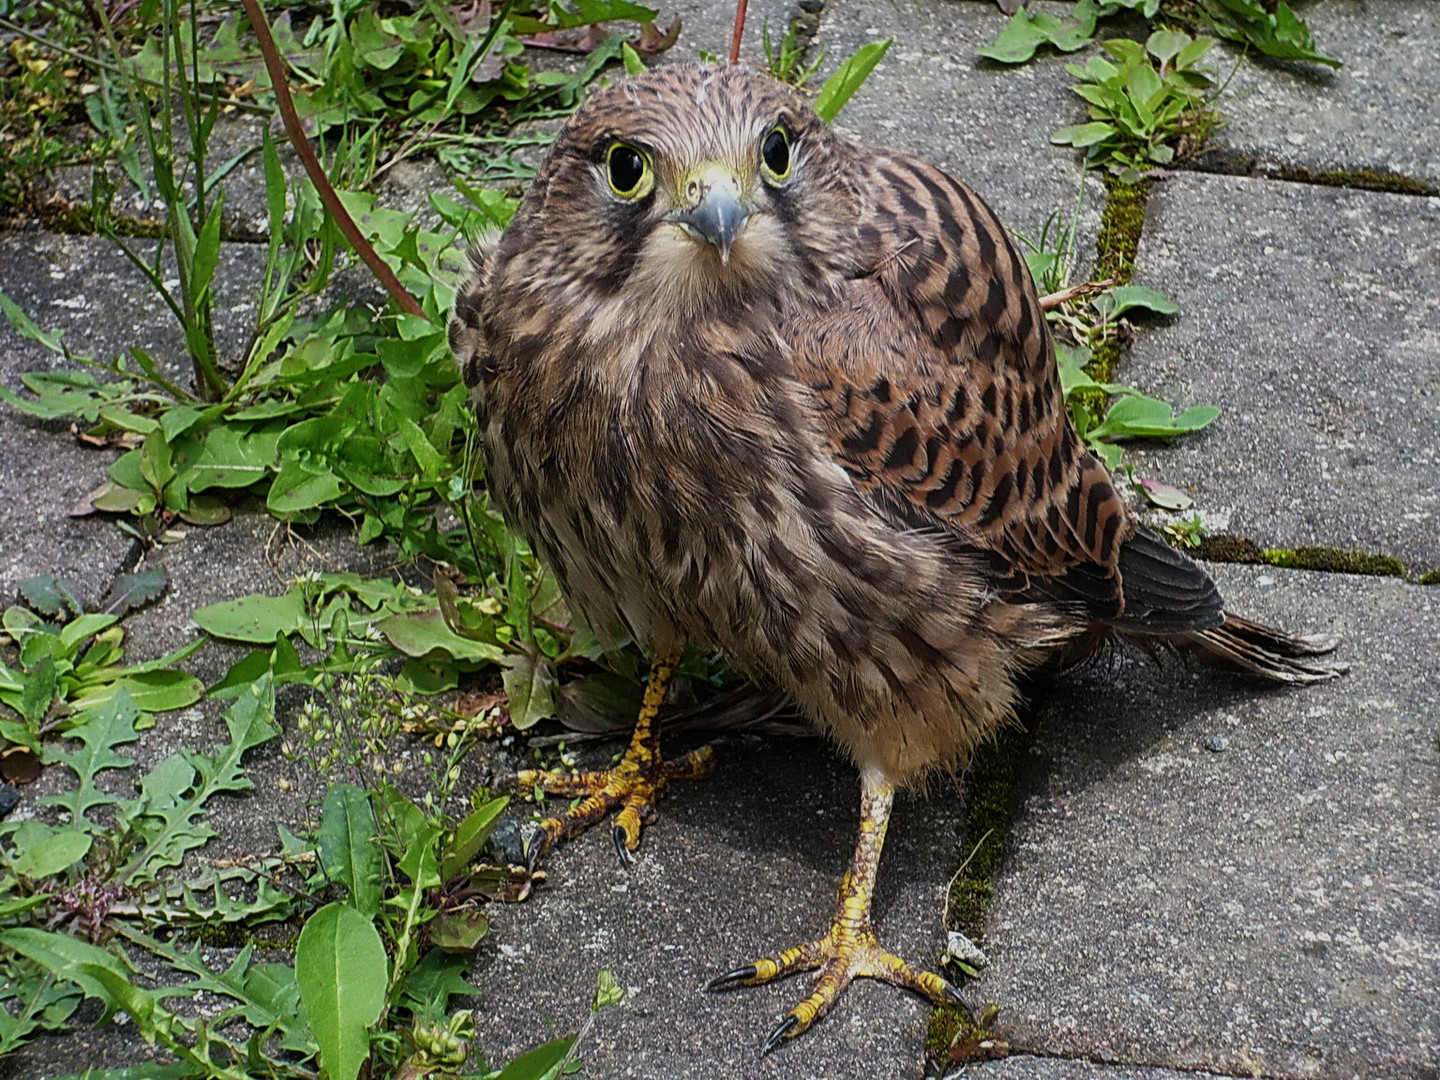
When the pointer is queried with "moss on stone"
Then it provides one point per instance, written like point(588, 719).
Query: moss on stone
point(1241, 549)
point(1430, 577)
point(987, 822)
point(1231, 549)
point(1335, 561)
point(1121, 223)
point(1362, 179)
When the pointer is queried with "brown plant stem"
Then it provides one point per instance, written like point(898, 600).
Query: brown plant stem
point(739, 31)
point(298, 139)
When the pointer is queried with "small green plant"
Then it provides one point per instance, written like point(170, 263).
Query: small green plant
point(1279, 34)
point(70, 659)
point(1143, 115)
point(374, 970)
point(1132, 416)
point(787, 61)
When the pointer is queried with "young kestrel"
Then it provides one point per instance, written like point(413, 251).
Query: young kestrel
point(747, 385)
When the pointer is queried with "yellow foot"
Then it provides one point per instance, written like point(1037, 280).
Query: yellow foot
point(633, 786)
point(847, 952)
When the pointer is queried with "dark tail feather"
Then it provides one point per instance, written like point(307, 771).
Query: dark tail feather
point(1263, 651)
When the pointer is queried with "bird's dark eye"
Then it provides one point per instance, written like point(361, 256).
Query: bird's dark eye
point(629, 171)
point(775, 153)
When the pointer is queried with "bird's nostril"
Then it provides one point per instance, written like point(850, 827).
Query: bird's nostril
point(693, 191)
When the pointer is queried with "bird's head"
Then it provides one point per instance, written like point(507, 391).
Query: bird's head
point(690, 190)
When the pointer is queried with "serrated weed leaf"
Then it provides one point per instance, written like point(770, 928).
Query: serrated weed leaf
point(100, 732)
point(174, 794)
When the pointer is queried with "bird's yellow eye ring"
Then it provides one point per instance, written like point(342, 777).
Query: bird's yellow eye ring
point(628, 171)
point(775, 154)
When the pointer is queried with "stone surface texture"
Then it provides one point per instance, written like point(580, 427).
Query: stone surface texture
point(1204, 875)
point(1311, 316)
point(740, 865)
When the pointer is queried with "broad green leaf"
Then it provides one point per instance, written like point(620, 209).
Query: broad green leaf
point(542, 1063)
point(52, 596)
point(131, 591)
point(530, 686)
point(341, 969)
point(1017, 42)
point(151, 691)
point(349, 851)
point(469, 836)
point(848, 78)
point(459, 930)
point(64, 956)
point(42, 851)
point(1166, 44)
point(39, 692)
point(424, 633)
point(427, 989)
point(298, 488)
point(227, 456)
point(1117, 301)
point(1083, 134)
point(1137, 416)
point(254, 619)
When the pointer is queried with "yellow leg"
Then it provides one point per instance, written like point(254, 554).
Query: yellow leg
point(849, 950)
point(634, 785)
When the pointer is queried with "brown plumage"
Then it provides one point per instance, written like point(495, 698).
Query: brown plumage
point(795, 399)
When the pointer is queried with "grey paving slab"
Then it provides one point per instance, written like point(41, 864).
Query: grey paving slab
point(85, 287)
point(985, 124)
point(739, 865)
point(1206, 875)
point(1368, 115)
point(1032, 1067)
point(1311, 316)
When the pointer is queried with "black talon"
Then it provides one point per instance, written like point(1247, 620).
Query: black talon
point(959, 999)
point(779, 1033)
point(626, 856)
point(731, 979)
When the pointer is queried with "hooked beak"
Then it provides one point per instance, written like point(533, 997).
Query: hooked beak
point(717, 211)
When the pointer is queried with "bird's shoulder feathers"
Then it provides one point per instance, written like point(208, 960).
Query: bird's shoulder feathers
point(935, 379)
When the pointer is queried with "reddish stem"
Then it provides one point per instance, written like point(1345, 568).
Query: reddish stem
point(333, 206)
point(739, 31)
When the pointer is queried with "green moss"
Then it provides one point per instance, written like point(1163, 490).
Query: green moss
point(947, 1024)
point(1363, 179)
point(1232, 549)
point(1121, 224)
point(1430, 577)
point(1335, 561)
point(952, 1035)
point(987, 822)
point(1241, 549)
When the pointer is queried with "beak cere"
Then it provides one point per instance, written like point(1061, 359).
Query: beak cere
point(717, 213)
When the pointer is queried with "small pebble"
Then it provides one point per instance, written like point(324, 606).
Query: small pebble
point(1265, 581)
point(1216, 743)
